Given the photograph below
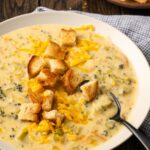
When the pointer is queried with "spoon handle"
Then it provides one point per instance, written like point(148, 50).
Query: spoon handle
point(140, 136)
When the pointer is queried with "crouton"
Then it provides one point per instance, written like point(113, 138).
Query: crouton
point(53, 50)
point(30, 108)
point(52, 115)
point(71, 80)
point(47, 100)
point(35, 85)
point(29, 111)
point(57, 66)
point(28, 117)
point(89, 90)
point(68, 37)
point(34, 66)
point(47, 78)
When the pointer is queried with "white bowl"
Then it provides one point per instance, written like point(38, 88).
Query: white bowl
point(135, 56)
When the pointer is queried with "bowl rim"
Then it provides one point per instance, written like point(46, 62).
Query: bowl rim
point(38, 17)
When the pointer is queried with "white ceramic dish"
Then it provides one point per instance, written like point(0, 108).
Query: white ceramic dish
point(139, 62)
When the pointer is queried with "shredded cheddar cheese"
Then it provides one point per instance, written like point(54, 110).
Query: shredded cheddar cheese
point(80, 53)
point(37, 48)
point(81, 68)
point(1, 130)
point(34, 85)
point(66, 129)
point(40, 132)
point(76, 57)
point(87, 45)
point(73, 109)
point(71, 137)
point(45, 126)
point(58, 122)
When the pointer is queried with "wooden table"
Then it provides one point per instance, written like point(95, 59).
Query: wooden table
point(11, 8)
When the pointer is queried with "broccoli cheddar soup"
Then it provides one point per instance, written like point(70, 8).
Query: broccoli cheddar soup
point(55, 84)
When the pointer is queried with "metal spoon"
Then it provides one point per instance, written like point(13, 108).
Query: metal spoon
point(139, 135)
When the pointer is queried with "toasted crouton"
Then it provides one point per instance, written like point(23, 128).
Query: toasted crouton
point(28, 117)
point(53, 50)
point(47, 78)
point(29, 111)
point(34, 66)
point(47, 100)
point(68, 37)
point(71, 80)
point(52, 115)
point(35, 85)
point(57, 66)
point(90, 90)
point(30, 108)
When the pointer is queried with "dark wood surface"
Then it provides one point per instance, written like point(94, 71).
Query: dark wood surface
point(11, 8)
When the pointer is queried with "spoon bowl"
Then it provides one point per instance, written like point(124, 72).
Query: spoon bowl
point(117, 117)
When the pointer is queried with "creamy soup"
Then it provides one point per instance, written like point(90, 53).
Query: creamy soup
point(66, 73)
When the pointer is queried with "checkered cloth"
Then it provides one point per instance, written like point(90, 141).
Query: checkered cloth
point(136, 28)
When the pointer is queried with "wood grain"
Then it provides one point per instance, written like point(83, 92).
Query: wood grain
point(1, 10)
point(62, 4)
point(96, 6)
point(11, 8)
point(102, 7)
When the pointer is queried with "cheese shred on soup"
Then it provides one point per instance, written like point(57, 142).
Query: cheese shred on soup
point(54, 88)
